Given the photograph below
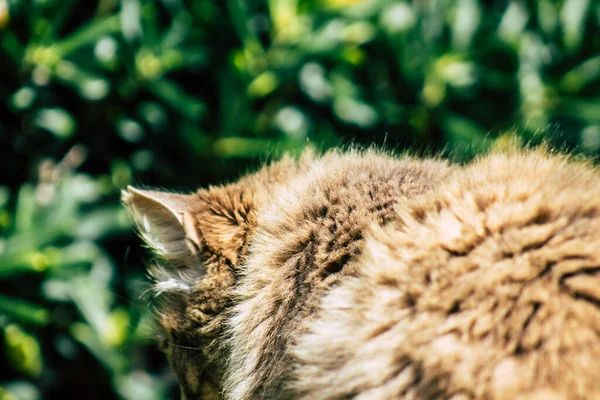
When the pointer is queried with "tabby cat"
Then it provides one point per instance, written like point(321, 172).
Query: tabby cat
point(358, 274)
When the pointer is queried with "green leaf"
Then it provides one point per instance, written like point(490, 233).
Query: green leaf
point(24, 311)
point(56, 120)
point(88, 34)
point(23, 351)
point(581, 76)
point(177, 99)
point(25, 208)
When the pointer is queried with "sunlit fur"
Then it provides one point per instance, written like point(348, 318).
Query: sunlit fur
point(486, 288)
point(355, 274)
point(306, 240)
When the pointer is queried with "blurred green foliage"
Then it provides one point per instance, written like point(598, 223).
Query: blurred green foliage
point(98, 94)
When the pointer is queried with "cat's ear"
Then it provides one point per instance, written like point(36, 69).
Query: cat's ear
point(212, 221)
point(161, 220)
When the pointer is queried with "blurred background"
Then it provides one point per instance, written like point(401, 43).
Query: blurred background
point(96, 95)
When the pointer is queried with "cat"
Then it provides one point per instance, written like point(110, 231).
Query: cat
point(359, 274)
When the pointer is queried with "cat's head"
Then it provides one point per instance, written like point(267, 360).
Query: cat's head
point(199, 240)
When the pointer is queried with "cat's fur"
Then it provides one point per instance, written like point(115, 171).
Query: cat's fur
point(360, 275)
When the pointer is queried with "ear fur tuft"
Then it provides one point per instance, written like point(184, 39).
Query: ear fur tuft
point(173, 281)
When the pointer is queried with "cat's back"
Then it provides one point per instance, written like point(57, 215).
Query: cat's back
point(486, 288)
point(305, 241)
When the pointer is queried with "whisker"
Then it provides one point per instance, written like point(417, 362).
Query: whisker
point(186, 347)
